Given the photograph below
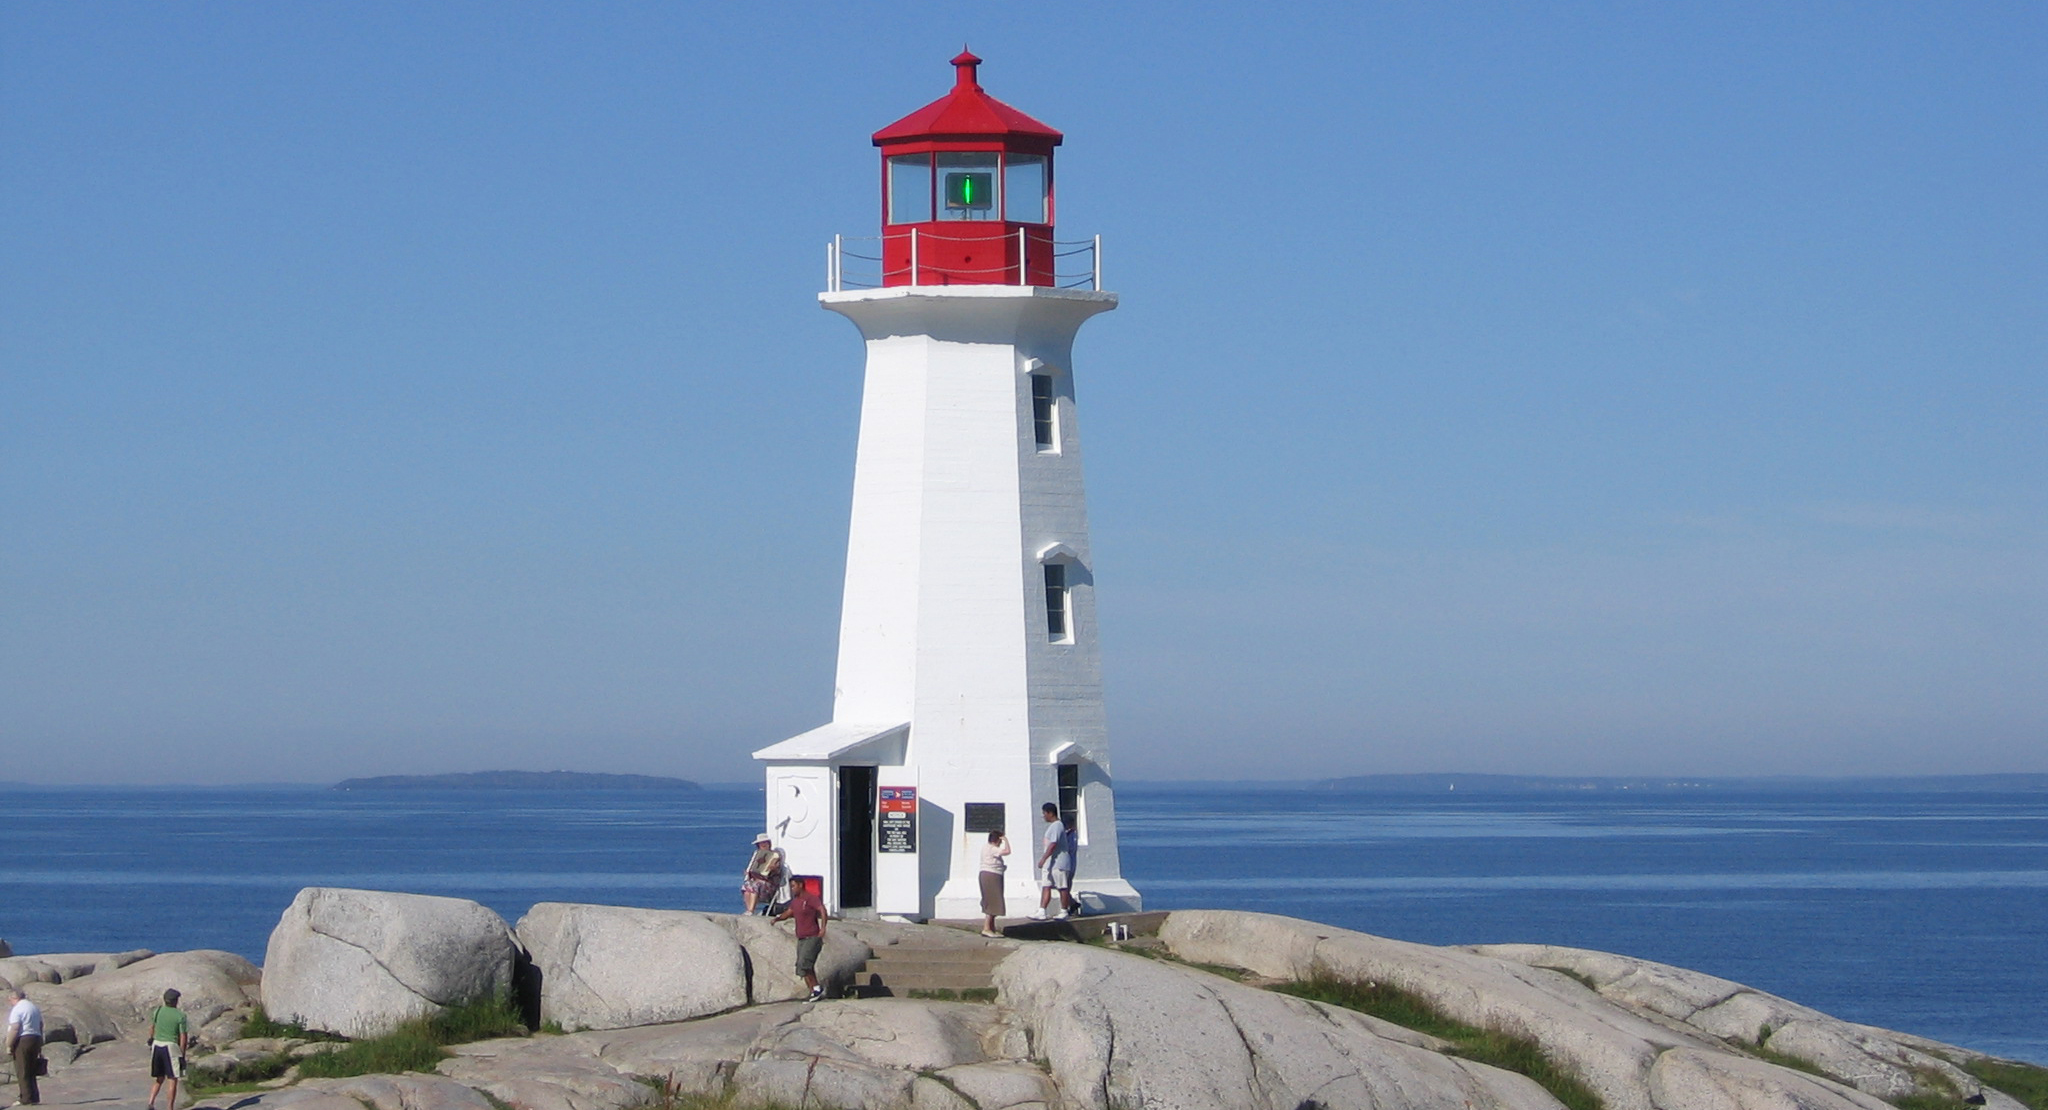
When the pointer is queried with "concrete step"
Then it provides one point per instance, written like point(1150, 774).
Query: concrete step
point(939, 957)
point(898, 969)
point(870, 984)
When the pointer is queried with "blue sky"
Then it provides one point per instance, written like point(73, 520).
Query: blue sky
point(1545, 388)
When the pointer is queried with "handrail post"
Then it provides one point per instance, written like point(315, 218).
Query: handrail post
point(1023, 259)
point(1098, 263)
point(833, 264)
point(913, 256)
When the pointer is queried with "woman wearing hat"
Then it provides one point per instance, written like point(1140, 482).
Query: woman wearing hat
point(764, 874)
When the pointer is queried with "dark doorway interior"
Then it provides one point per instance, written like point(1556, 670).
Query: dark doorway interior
point(856, 837)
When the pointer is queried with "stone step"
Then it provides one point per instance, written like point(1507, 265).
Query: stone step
point(936, 957)
point(870, 984)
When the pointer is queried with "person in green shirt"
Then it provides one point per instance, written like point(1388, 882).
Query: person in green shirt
point(168, 1034)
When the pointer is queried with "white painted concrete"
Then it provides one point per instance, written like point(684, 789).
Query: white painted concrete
point(943, 624)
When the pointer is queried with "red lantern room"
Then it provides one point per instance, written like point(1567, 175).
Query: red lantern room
point(967, 191)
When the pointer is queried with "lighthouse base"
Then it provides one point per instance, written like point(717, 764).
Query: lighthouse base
point(959, 900)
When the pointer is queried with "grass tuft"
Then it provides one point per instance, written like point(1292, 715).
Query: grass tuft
point(1500, 1048)
point(2025, 1082)
point(417, 1045)
point(260, 1024)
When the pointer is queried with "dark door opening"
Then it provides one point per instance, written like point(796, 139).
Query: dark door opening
point(856, 837)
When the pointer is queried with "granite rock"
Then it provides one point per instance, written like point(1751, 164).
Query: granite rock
point(360, 962)
point(210, 983)
point(1118, 1029)
point(771, 957)
point(610, 967)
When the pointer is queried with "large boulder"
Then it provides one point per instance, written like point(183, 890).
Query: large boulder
point(1120, 1030)
point(771, 957)
point(210, 983)
point(361, 962)
point(609, 967)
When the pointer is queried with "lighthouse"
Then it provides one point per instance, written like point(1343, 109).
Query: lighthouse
point(969, 684)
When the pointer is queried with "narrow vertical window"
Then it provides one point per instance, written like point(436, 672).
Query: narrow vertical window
point(1056, 623)
point(1070, 798)
point(1044, 413)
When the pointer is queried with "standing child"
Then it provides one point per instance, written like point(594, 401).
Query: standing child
point(168, 1033)
point(809, 912)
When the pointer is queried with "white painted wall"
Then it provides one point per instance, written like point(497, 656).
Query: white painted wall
point(943, 620)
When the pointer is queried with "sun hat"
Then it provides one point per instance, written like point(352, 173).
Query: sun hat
point(764, 838)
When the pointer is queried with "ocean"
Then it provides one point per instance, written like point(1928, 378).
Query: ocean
point(1926, 913)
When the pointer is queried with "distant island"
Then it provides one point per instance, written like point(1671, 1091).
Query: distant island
point(1775, 784)
point(517, 780)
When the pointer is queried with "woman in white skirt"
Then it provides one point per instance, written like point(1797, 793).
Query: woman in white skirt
point(992, 868)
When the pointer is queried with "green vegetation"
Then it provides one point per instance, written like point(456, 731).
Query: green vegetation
point(2025, 1082)
point(1500, 1048)
point(261, 1024)
point(417, 1045)
point(948, 994)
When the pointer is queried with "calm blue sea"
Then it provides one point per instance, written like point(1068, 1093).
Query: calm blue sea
point(1925, 913)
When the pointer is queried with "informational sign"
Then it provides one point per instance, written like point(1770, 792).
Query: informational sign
point(898, 826)
point(984, 817)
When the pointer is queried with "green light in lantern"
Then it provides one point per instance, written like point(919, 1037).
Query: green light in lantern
point(970, 190)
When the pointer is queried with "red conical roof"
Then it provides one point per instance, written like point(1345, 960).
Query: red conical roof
point(967, 113)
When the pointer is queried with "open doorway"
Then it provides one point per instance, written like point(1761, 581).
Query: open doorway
point(856, 837)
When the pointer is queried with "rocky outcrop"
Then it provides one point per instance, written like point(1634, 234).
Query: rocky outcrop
point(1643, 1033)
point(210, 984)
point(1870, 1060)
point(1073, 1026)
point(1119, 1030)
point(360, 962)
point(609, 967)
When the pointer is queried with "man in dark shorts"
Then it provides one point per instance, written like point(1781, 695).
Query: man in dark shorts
point(809, 912)
point(168, 1034)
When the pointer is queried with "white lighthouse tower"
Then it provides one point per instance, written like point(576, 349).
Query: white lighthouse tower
point(969, 689)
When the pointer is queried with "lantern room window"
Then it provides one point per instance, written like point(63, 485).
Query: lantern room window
point(1025, 188)
point(968, 186)
point(910, 188)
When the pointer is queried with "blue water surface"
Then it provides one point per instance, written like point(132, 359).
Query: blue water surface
point(1924, 913)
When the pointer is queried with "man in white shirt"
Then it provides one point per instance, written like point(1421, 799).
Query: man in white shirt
point(25, 1044)
point(1056, 863)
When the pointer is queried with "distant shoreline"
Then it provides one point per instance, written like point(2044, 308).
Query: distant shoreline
point(1686, 784)
point(1430, 783)
point(518, 780)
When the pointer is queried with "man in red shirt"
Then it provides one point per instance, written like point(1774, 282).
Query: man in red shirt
point(809, 911)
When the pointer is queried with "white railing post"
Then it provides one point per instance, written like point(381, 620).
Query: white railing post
point(1023, 260)
point(833, 264)
point(1098, 263)
point(913, 256)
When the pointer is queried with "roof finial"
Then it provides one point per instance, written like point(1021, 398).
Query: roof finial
point(964, 64)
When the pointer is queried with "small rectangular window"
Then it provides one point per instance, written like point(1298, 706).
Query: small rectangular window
point(1024, 188)
point(1056, 603)
point(1044, 413)
point(910, 188)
